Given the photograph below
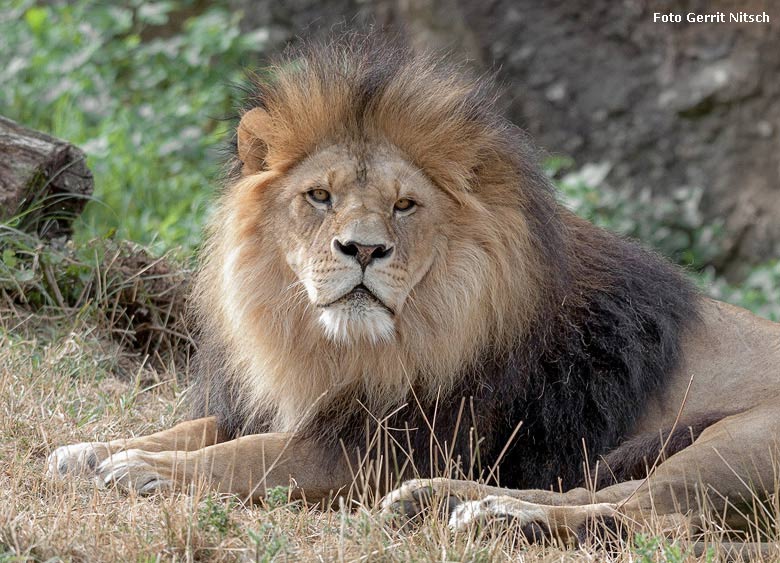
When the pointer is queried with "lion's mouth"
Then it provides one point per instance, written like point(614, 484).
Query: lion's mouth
point(360, 289)
point(358, 295)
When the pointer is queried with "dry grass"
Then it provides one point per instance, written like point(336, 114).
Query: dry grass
point(64, 378)
point(60, 388)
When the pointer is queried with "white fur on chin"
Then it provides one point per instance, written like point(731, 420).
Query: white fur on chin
point(347, 326)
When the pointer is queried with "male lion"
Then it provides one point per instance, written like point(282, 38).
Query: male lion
point(389, 276)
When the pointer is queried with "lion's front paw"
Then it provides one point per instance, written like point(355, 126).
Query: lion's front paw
point(77, 459)
point(530, 519)
point(137, 470)
point(412, 498)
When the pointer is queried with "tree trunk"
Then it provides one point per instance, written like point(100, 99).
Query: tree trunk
point(43, 180)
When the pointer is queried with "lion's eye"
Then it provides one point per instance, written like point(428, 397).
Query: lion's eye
point(319, 195)
point(404, 204)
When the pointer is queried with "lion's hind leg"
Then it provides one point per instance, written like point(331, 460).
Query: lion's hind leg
point(731, 469)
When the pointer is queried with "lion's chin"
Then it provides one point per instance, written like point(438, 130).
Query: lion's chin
point(346, 323)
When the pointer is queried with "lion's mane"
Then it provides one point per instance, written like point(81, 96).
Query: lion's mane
point(536, 327)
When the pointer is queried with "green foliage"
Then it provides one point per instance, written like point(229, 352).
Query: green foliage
point(652, 549)
point(269, 543)
point(214, 517)
point(7, 555)
point(276, 497)
point(117, 285)
point(139, 86)
point(40, 274)
point(674, 225)
point(759, 292)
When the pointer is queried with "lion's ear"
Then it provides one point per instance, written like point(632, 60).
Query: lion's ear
point(252, 133)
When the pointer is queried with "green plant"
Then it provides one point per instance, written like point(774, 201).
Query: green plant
point(118, 285)
point(214, 516)
point(276, 497)
point(651, 549)
point(268, 543)
point(759, 291)
point(674, 225)
point(140, 87)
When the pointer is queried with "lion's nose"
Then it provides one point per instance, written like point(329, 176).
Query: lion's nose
point(363, 253)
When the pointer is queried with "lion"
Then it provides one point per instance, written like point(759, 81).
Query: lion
point(390, 277)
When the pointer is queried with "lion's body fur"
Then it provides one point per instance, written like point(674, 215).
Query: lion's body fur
point(538, 317)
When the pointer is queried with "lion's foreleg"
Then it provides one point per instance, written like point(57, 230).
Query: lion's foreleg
point(86, 456)
point(248, 467)
point(185, 436)
point(416, 495)
point(535, 521)
point(730, 468)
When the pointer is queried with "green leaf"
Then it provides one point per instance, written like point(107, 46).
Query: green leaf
point(24, 275)
point(132, 41)
point(36, 19)
point(9, 258)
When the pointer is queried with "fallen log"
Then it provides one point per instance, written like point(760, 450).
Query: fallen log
point(44, 181)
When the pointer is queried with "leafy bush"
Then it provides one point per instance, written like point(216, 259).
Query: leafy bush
point(138, 85)
point(673, 225)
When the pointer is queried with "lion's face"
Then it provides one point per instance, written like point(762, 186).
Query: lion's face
point(360, 233)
